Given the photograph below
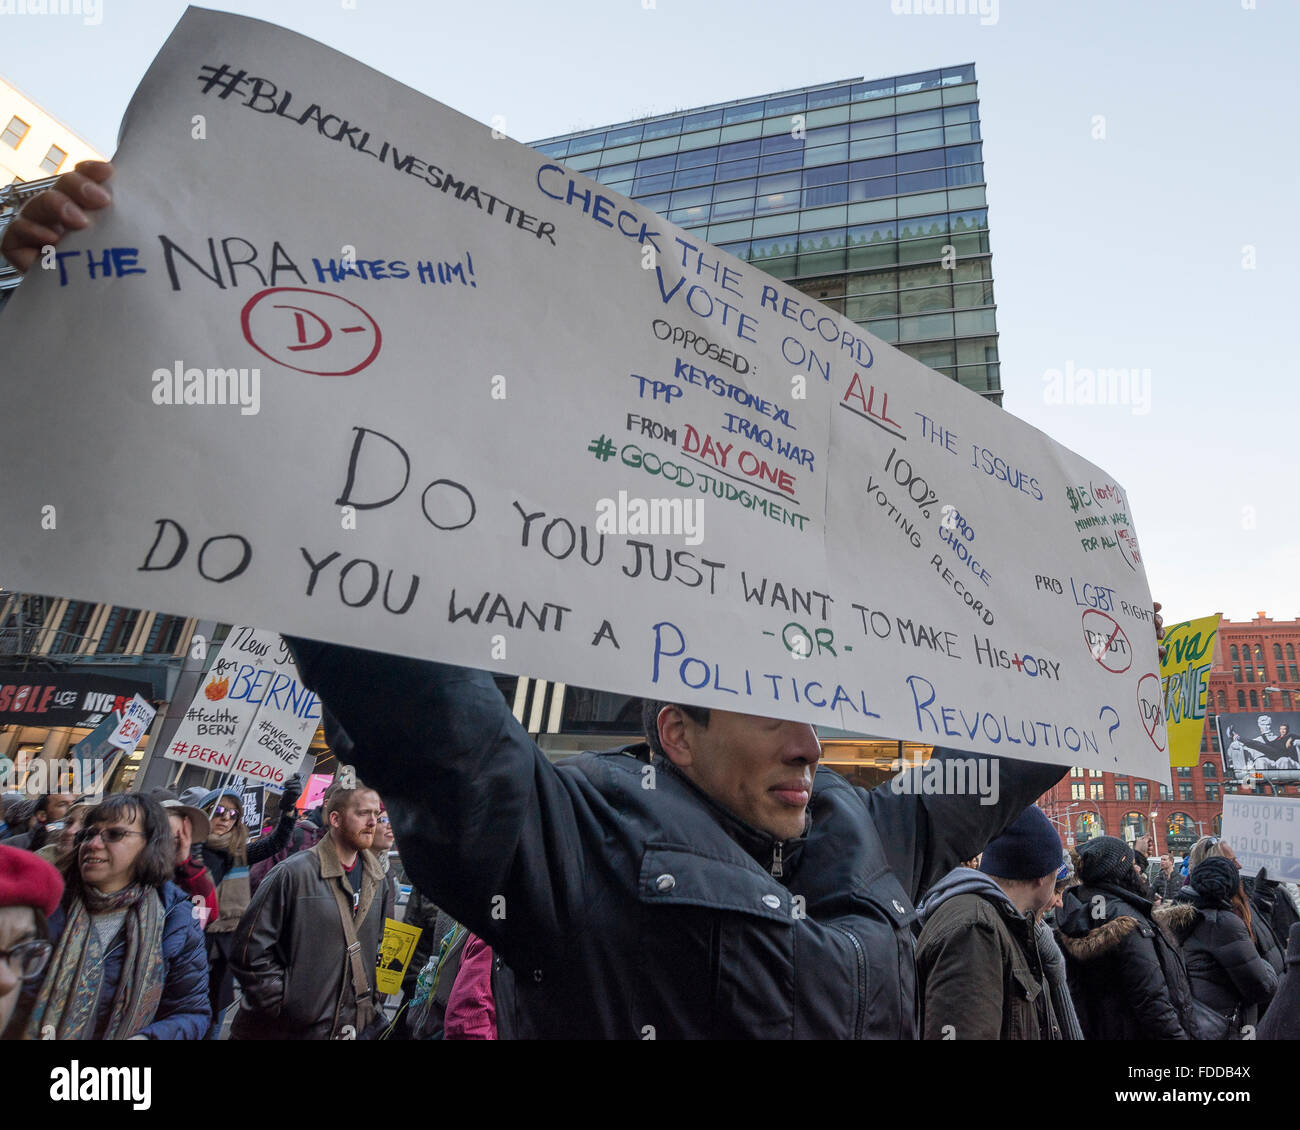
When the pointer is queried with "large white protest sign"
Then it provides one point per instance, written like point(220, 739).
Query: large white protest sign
point(383, 377)
point(251, 718)
point(1264, 832)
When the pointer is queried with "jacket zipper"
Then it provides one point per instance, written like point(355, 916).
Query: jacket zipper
point(862, 981)
point(778, 865)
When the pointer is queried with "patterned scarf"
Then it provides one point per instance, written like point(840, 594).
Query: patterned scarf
point(66, 1006)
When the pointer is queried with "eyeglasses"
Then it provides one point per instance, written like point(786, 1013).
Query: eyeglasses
point(221, 810)
point(28, 958)
point(108, 835)
point(384, 820)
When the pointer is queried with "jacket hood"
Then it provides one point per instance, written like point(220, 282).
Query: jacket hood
point(1179, 919)
point(962, 881)
point(1097, 942)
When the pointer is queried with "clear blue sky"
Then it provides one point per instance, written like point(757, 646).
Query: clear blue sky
point(1120, 253)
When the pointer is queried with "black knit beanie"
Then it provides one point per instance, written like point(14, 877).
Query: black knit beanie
point(1106, 859)
point(1215, 879)
point(1028, 849)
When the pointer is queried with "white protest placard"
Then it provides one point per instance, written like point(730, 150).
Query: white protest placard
point(136, 719)
point(250, 718)
point(1264, 832)
point(387, 378)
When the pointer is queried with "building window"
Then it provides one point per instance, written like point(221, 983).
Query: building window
point(1184, 790)
point(72, 631)
point(1211, 791)
point(1236, 674)
point(1233, 651)
point(1121, 791)
point(1141, 790)
point(1183, 771)
point(1078, 792)
point(118, 631)
point(1180, 831)
point(1099, 792)
point(53, 159)
point(1166, 793)
point(1133, 825)
point(1241, 699)
point(1076, 771)
point(164, 635)
point(1254, 700)
point(1096, 772)
point(1250, 674)
point(1223, 702)
point(14, 132)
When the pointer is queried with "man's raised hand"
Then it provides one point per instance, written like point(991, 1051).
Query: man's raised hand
point(47, 217)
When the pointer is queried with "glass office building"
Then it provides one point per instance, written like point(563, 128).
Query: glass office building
point(868, 196)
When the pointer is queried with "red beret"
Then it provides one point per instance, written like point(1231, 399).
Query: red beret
point(27, 880)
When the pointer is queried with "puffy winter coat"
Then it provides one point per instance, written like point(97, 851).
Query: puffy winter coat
point(1224, 968)
point(1126, 975)
point(624, 900)
point(183, 1012)
point(1282, 1020)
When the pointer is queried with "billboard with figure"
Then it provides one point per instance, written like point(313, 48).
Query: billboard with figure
point(1261, 743)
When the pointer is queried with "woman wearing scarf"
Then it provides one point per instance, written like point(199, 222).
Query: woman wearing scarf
point(128, 960)
point(228, 855)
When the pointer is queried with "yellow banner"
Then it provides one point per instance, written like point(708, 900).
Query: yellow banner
point(1185, 675)
point(395, 951)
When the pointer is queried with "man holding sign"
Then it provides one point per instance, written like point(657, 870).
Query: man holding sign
point(709, 884)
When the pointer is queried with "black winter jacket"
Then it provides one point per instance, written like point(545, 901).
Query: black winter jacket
point(1282, 1021)
point(1126, 975)
point(1224, 968)
point(626, 903)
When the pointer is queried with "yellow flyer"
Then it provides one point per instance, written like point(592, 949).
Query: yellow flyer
point(395, 949)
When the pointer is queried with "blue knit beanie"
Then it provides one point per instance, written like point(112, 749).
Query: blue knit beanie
point(1028, 849)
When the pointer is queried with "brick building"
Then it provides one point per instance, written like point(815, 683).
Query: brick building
point(1256, 670)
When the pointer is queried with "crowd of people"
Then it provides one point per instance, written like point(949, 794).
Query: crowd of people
point(139, 917)
point(711, 881)
point(1023, 944)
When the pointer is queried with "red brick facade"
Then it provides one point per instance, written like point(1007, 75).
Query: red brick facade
point(1248, 657)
